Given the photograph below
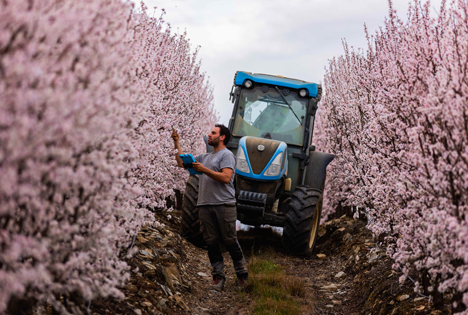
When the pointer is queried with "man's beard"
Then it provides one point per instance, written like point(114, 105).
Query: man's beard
point(214, 142)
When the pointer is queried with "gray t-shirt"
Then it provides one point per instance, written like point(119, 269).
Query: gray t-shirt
point(212, 192)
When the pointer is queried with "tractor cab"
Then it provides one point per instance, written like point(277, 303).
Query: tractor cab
point(276, 108)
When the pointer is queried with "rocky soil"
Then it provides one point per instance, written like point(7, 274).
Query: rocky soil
point(349, 274)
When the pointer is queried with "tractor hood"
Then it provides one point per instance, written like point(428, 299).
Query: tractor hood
point(261, 159)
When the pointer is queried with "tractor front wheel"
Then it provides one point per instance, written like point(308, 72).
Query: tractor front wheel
point(302, 222)
point(190, 228)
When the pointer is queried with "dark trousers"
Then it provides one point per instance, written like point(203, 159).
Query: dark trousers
point(218, 224)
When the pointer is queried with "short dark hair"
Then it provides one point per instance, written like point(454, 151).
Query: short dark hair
point(224, 131)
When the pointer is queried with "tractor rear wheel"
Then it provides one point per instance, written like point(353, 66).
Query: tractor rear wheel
point(190, 228)
point(302, 222)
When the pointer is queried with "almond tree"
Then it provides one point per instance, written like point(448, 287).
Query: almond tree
point(408, 162)
point(175, 95)
point(83, 84)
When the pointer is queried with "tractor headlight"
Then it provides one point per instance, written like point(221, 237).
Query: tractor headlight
point(303, 92)
point(275, 167)
point(241, 164)
point(248, 84)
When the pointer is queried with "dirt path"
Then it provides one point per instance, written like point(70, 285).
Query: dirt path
point(348, 274)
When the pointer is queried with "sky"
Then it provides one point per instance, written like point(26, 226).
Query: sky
point(292, 38)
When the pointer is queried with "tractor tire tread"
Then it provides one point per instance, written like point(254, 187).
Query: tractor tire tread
point(190, 228)
point(304, 204)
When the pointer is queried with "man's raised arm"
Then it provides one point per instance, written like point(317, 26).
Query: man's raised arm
point(175, 137)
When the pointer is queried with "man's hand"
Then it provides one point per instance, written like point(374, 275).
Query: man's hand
point(223, 177)
point(199, 167)
point(175, 136)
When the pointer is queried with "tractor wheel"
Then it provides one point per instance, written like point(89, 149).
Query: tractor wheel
point(302, 222)
point(190, 228)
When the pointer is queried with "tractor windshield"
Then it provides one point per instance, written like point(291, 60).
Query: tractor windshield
point(267, 115)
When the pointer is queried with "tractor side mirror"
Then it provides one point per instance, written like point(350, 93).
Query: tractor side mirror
point(231, 95)
point(234, 93)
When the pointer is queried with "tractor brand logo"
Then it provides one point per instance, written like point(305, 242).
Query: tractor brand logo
point(261, 147)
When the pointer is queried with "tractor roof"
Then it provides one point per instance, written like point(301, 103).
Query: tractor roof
point(278, 80)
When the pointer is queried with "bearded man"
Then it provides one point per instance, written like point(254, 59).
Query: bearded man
point(217, 204)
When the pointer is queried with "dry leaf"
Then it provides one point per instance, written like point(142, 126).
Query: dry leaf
point(141, 239)
point(145, 303)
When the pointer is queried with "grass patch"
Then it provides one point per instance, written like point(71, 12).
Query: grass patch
point(273, 291)
point(264, 267)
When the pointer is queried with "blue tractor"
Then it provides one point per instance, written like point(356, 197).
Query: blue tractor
point(279, 177)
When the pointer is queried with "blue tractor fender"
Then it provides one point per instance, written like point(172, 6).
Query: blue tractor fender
point(317, 169)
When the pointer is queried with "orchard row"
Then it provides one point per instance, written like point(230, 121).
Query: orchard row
point(396, 116)
point(90, 91)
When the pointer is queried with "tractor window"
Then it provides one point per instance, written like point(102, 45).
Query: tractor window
point(266, 115)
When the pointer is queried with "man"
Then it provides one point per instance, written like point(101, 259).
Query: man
point(217, 204)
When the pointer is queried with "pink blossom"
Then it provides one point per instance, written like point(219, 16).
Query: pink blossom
point(90, 91)
point(396, 117)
